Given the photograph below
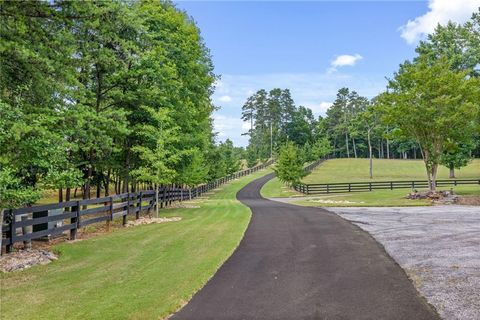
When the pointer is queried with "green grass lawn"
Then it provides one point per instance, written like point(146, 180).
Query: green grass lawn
point(144, 272)
point(356, 170)
point(276, 189)
point(377, 198)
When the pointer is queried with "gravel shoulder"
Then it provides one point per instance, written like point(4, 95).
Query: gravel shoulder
point(438, 247)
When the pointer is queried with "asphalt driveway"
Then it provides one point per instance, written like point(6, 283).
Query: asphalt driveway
point(305, 263)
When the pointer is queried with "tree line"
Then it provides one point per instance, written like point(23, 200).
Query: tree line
point(430, 110)
point(108, 95)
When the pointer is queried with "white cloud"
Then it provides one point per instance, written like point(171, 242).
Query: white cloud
point(225, 98)
point(346, 60)
point(440, 12)
point(230, 127)
point(320, 108)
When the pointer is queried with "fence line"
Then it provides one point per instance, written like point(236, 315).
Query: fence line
point(326, 188)
point(37, 222)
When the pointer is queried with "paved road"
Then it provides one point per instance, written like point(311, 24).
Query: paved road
point(305, 263)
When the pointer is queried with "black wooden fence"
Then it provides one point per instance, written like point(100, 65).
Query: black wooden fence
point(34, 222)
point(326, 188)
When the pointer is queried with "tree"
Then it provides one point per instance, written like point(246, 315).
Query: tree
point(366, 122)
point(196, 170)
point(433, 104)
point(321, 148)
point(158, 161)
point(457, 155)
point(289, 168)
point(13, 194)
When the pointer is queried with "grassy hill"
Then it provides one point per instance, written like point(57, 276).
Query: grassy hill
point(357, 170)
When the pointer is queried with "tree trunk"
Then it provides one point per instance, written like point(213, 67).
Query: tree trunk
point(2, 211)
point(434, 177)
point(99, 187)
point(68, 193)
point(354, 148)
point(346, 144)
point(60, 195)
point(156, 203)
point(452, 171)
point(370, 154)
point(388, 149)
point(107, 183)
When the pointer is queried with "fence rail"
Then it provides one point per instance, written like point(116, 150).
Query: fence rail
point(327, 188)
point(34, 222)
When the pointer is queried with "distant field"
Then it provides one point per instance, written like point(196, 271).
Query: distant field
point(353, 170)
point(356, 170)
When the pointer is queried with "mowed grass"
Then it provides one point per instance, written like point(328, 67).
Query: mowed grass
point(377, 198)
point(276, 189)
point(144, 272)
point(357, 170)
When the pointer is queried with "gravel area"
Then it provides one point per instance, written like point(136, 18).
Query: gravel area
point(438, 247)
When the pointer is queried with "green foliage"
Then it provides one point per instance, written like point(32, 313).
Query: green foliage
point(159, 160)
point(13, 193)
point(432, 104)
point(320, 149)
point(73, 79)
point(275, 119)
point(289, 167)
point(196, 171)
point(457, 154)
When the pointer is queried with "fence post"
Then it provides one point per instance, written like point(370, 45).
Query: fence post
point(328, 191)
point(349, 187)
point(139, 205)
point(27, 244)
point(369, 186)
point(391, 185)
point(125, 216)
point(308, 191)
point(75, 220)
point(111, 214)
point(11, 232)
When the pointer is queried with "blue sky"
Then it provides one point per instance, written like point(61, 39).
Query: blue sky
point(312, 48)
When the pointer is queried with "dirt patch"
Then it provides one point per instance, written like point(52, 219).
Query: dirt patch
point(469, 200)
point(24, 259)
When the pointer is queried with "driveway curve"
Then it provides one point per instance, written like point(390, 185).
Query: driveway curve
point(305, 263)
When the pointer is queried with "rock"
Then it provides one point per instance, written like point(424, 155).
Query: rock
point(444, 197)
point(23, 259)
point(146, 220)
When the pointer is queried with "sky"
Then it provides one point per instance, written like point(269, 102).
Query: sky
point(312, 48)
